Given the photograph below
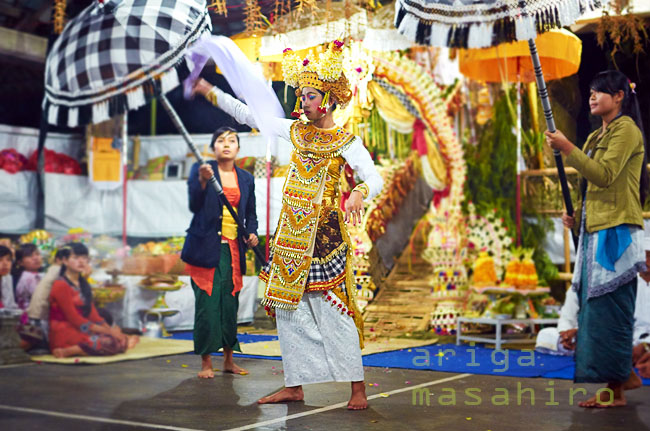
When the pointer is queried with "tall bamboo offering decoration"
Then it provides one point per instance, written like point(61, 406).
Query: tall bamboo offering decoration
point(219, 7)
point(253, 18)
point(58, 16)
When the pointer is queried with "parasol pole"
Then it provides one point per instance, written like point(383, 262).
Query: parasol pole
point(550, 124)
point(125, 169)
point(213, 180)
point(518, 188)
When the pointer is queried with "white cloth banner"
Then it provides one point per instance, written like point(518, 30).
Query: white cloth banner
point(251, 145)
point(17, 201)
point(154, 208)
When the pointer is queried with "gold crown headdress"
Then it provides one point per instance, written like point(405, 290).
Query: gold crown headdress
point(325, 74)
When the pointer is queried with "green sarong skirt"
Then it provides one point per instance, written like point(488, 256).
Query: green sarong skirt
point(215, 316)
point(605, 330)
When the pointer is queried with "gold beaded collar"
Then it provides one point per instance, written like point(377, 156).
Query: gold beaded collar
point(326, 143)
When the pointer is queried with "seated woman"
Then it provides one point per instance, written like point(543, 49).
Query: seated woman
point(76, 329)
point(25, 273)
point(39, 306)
point(6, 283)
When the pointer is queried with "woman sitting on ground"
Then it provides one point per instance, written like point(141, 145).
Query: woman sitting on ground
point(6, 283)
point(25, 273)
point(76, 329)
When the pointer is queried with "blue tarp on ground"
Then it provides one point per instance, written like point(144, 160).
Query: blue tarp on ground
point(452, 359)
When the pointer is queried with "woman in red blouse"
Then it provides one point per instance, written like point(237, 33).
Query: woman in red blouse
point(76, 329)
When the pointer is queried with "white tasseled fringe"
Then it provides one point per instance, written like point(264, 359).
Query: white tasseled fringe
point(100, 112)
point(52, 114)
point(569, 12)
point(409, 26)
point(525, 28)
point(135, 98)
point(169, 81)
point(480, 36)
point(73, 117)
point(439, 34)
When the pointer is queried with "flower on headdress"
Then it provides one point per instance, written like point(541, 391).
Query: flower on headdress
point(290, 67)
point(331, 63)
point(305, 62)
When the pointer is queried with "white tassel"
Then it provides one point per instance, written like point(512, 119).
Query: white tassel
point(569, 12)
point(409, 26)
point(52, 114)
point(73, 117)
point(169, 81)
point(439, 34)
point(100, 112)
point(135, 98)
point(525, 29)
point(480, 36)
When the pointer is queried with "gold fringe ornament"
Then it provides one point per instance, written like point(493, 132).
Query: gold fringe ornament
point(324, 103)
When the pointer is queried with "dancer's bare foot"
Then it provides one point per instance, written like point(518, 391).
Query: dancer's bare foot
point(132, 341)
point(605, 400)
point(285, 395)
point(206, 367)
point(58, 353)
point(358, 399)
point(633, 382)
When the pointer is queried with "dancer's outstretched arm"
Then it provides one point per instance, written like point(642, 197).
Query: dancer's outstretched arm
point(237, 109)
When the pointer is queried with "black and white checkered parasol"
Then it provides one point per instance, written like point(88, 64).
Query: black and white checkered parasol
point(117, 54)
point(483, 23)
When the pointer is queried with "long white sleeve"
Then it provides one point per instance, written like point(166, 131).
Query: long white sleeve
point(243, 115)
point(360, 161)
point(569, 312)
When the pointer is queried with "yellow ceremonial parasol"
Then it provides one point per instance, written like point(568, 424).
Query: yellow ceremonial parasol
point(559, 52)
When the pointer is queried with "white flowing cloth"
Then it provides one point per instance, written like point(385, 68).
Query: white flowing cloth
point(246, 81)
point(318, 343)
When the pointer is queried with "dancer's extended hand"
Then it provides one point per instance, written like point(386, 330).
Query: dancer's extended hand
point(354, 208)
point(202, 87)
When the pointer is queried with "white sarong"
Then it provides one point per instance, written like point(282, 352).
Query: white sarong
point(318, 343)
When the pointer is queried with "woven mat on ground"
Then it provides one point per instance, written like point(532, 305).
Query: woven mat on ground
point(146, 348)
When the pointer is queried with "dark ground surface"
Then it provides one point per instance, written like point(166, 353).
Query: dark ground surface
point(161, 393)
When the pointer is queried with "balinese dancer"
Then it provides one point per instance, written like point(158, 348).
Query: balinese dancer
point(215, 253)
point(309, 280)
